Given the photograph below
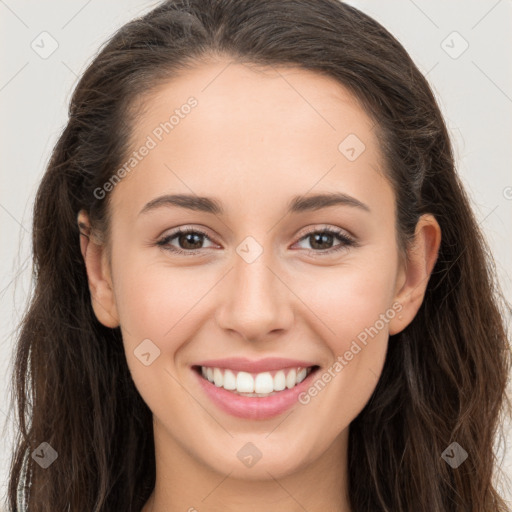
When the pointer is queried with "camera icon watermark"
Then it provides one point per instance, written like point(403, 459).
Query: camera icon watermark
point(249, 455)
point(44, 45)
point(454, 455)
point(351, 147)
point(44, 455)
point(454, 45)
point(146, 352)
point(249, 249)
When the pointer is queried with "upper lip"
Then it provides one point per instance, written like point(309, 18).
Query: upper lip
point(243, 364)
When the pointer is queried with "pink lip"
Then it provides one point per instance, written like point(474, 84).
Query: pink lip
point(241, 364)
point(253, 408)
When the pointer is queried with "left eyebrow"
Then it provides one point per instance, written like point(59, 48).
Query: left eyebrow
point(297, 204)
point(190, 202)
point(318, 201)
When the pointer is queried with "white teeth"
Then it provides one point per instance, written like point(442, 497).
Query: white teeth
point(261, 384)
point(301, 375)
point(279, 381)
point(229, 380)
point(291, 379)
point(244, 382)
point(264, 383)
point(218, 378)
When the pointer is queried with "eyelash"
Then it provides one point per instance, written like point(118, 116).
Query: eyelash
point(342, 237)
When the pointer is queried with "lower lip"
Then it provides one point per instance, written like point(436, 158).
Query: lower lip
point(254, 408)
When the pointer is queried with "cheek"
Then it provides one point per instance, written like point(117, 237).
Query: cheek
point(160, 302)
point(351, 299)
point(154, 299)
point(354, 305)
point(157, 307)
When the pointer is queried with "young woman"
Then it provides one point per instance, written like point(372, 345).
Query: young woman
point(260, 284)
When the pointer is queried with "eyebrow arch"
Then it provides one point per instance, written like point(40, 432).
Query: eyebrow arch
point(296, 205)
point(318, 201)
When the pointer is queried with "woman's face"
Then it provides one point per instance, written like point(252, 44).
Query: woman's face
point(267, 280)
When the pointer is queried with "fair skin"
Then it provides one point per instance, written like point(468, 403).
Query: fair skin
point(256, 139)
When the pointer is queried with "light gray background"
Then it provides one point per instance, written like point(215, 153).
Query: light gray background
point(474, 91)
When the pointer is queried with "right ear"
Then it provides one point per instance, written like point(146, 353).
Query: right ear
point(98, 273)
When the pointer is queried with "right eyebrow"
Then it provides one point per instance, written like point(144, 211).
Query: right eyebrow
point(211, 205)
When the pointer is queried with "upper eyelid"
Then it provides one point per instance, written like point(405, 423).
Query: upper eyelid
point(309, 231)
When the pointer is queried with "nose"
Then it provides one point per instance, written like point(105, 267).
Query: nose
point(255, 299)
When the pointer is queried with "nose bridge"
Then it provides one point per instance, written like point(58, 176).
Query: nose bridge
point(256, 302)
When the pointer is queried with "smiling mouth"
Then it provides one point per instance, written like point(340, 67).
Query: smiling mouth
point(260, 385)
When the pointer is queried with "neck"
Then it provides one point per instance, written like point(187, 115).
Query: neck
point(184, 483)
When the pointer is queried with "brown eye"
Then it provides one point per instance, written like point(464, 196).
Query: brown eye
point(186, 240)
point(321, 241)
point(189, 241)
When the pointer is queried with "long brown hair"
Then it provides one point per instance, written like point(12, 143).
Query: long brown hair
point(445, 375)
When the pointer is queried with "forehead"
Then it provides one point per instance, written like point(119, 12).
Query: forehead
point(232, 95)
point(253, 130)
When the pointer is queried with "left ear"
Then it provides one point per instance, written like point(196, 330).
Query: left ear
point(98, 274)
point(415, 272)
